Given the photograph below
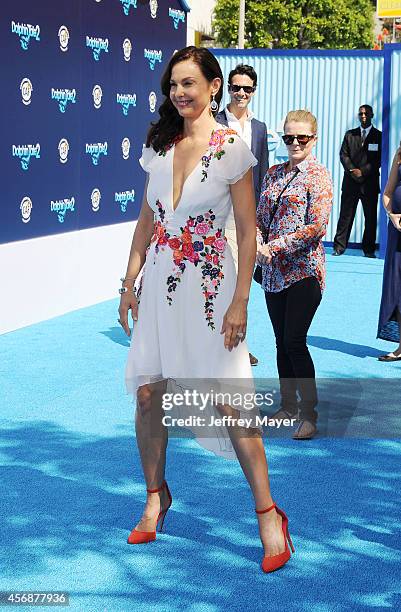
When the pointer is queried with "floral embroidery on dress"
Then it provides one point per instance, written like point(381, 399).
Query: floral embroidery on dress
point(215, 150)
point(160, 236)
point(161, 211)
point(199, 246)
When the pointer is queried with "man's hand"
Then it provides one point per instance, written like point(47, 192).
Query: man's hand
point(356, 172)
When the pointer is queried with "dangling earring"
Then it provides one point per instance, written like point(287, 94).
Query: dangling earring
point(213, 105)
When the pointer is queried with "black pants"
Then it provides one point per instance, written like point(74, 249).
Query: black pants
point(291, 312)
point(349, 203)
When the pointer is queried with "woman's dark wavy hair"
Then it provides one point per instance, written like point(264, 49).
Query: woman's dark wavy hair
point(163, 132)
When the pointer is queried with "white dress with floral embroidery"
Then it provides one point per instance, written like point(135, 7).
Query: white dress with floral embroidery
point(189, 278)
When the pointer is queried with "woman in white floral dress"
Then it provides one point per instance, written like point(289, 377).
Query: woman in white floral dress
point(191, 310)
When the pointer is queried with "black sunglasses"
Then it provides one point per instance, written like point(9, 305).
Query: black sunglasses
point(302, 139)
point(248, 89)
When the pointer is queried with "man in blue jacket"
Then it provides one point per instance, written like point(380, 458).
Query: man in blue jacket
point(242, 82)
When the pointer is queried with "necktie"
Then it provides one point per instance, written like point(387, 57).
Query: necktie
point(363, 136)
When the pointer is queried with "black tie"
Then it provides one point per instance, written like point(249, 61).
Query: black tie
point(363, 137)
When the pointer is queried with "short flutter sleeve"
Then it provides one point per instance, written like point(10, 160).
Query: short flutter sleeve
point(236, 158)
point(148, 156)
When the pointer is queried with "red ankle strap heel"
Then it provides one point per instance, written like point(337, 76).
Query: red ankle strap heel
point(142, 537)
point(270, 564)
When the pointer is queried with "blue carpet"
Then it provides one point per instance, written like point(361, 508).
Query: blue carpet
point(72, 487)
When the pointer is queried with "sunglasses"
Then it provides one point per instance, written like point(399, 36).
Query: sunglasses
point(248, 89)
point(302, 139)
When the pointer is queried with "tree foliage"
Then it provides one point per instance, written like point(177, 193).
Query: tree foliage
point(297, 24)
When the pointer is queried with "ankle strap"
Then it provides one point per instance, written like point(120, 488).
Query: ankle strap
point(264, 511)
point(157, 490)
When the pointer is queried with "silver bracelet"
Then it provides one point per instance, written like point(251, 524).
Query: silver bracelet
point(125, 289)
point(127, 278)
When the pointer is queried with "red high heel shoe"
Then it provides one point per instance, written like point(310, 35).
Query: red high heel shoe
point(270, 564)
point(142, 537)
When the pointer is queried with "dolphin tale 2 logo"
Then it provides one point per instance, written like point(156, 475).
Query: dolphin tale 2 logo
point(123, 197)
point(97, 94)
point(61, 207)
point(153, 56)
point(153, 5)
point(95, 150)
point(64, 37)
point(97, 45)
point(125, 146)
point(25, 31)
point(26, 209)
point(95, 199)
point(127, 49)
point(176, 16)
point(25, 152)
point(127, 5)
point(63, 96)
point(26, 91)
point(126, 100)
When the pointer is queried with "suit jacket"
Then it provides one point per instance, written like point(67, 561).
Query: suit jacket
point(258, 148)
point(354, 155)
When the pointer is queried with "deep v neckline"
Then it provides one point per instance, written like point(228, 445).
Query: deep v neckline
point(174, 208)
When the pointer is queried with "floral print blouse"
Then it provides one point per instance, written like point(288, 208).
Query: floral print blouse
point(299, 224)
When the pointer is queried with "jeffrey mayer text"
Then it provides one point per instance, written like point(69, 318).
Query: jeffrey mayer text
point(226, 421)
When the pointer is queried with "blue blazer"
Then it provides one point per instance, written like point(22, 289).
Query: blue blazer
point(258, 148)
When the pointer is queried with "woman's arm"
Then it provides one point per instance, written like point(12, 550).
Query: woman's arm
point(321, 201)
point(140, 242)
point(235, 319)
point(391, 183)
point(389, 190)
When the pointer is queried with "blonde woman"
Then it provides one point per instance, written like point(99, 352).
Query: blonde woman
point(292, 216)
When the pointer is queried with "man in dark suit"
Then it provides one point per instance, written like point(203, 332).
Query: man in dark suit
point(361, 157)
point(242, 82)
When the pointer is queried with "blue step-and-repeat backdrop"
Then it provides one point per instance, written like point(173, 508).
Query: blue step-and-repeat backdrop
point(80, 84)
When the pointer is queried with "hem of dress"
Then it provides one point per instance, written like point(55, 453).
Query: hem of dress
point(132, 384)
point(219, 443)
point(389, 331)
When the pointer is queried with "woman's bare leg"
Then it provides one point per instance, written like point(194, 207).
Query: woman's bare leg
point(250, 451)
point(151, 439)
